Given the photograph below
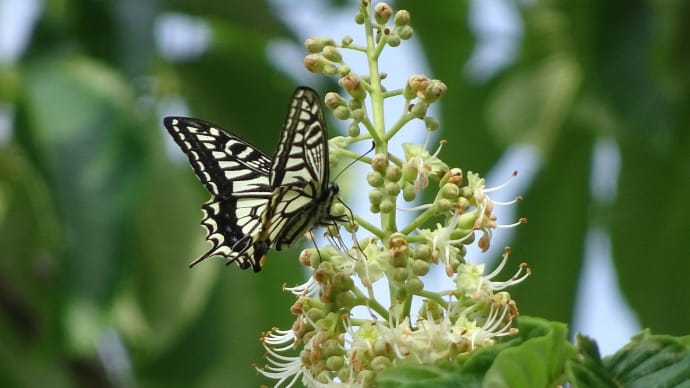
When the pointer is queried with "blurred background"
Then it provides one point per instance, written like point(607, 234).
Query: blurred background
point(99, 211)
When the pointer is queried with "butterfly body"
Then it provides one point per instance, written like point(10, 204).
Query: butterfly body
point(260, 202)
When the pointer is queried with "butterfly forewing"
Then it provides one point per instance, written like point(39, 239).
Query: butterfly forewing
point(236, 174)
point(302, 153)
point(299, 177)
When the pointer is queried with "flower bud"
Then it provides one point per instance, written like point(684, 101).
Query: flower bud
point(316, 44)
point(313, 63)
point(347, 40)
point(344, 70)
point(330, 69)
point(341, 113)
point(450, 191)
point(379, 163)
point(381, 347)
point(352, 86)
point(400, 274)
point(409, 193)
point(332, 54)
point(420, 267)
point(393, 39)
point(392, 188)
point(393, 173)
point(415, 84)
point(443, 205)
point(435, 90)
point(431, 123)
point(334, 363)
point(334, 100)
point(422, 252)
point(402, 18)
point(375, 179)
point(357, 114)
point(419, 109)
point(382, 13)
point(387, 206)
point(360, 17)
point(375, 196)
point(414, 285)
point(353, 130)
point(405, 32)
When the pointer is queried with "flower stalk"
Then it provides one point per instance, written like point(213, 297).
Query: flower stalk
point(327, 344)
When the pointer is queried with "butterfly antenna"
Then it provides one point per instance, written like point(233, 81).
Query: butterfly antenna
point(373, 146)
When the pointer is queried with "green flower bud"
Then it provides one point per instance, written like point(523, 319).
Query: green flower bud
point(387, 206)
point(420, 267)
point(375, 209)
point(443, 205)
point(400, 274)
point(353, 130)
point(332, 54)
point(347, 40)
point(422, 252)
point(360, 17)
point(393, 173)
point(330, 69)
point(402, 18)
point(316, 44)
point(393, 39)
point(414, 285)
point(380, 363)
point(341, 113)
point(450, 191)
point(409, 172)
point(431, 123)
point(392, 188)
point(334, 363)
point(375, 179)
point(419, 109)
point(357, 114)
point(344, 70)
point(345, 300)
point(366, 378)
point(381, 347)
point(375, 196)
point(409, 193)
point(344, 373)
point(405, 32)
point(332, 348)
point(382, 13)
point(313, 63)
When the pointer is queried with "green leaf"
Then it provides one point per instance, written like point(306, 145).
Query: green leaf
point(647, 361)
point(536, 357)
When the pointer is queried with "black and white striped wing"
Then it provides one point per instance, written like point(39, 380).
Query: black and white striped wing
point(299, 175)
point(237, 176)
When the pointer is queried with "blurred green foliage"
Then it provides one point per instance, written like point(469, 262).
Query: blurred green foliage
point(98, 222)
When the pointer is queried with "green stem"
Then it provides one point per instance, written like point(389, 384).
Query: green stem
point(422, 218)
point(370, 227)
point(404, 119)
point(370, 302)
point(436, 297)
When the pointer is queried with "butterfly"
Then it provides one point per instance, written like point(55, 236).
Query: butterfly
point(258, 202)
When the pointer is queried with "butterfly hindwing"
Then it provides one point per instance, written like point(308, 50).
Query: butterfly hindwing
point(236, 175)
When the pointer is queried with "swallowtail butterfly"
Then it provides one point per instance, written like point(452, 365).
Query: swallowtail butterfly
point(258, 202)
